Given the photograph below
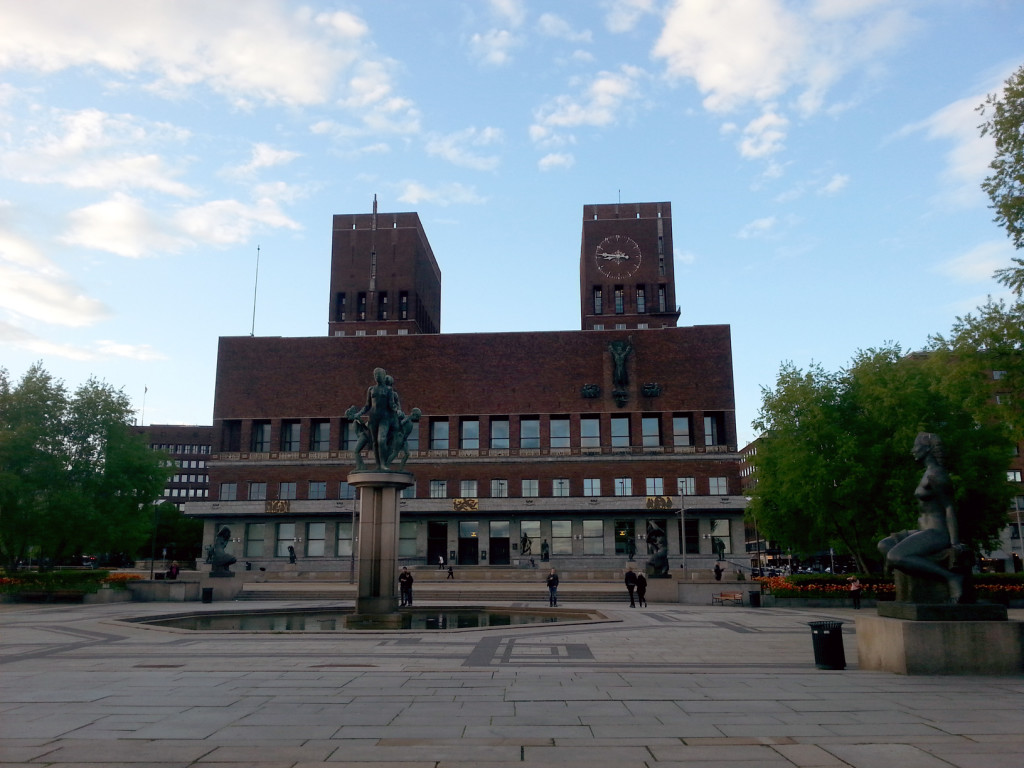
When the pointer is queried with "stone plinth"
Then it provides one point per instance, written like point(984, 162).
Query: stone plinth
point(379, 492)
point(940, 647)
point(940, 612)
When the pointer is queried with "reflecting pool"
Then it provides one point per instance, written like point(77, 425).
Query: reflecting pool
point(325, 620)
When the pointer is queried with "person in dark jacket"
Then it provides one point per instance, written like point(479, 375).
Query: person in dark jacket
point(641, 590)
point(631, 585)
point(552, 588)
point(405, 586)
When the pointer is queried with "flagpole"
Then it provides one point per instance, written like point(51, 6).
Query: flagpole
point(145, 389)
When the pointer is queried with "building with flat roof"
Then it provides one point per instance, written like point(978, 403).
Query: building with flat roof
point(584, 447)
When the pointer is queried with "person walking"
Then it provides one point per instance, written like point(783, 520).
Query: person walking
point(553, 588)
point(451, 573)
point(855, 590)
point(405, 586)
point(440, 562)
point(631, 585)
point(641, 590)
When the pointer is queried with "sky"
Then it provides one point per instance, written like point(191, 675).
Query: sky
point(822, 160)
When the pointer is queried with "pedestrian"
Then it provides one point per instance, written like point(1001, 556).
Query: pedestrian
point(405, 580)
point(631, 585)
point(855, 589)
point(451, 573)
point(440, 562)
point(718, 572)
point(173, 571)
point(641, 590)
point(553, 588)
point(291, 555)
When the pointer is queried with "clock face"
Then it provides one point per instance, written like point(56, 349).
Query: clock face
point(617, 256)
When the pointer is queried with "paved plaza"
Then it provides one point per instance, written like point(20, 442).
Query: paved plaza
point(669, 685)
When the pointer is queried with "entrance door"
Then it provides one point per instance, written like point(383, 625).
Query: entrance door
point(499, 538)
point(437, 542)
point(469, 542)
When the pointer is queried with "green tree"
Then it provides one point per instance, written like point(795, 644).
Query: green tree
point(834, 466)
point(73, 476)
point(1004, 122)
point(983, 360)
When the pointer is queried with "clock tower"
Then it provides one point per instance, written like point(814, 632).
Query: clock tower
point(627, 279)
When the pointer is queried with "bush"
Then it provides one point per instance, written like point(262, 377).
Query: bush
point(825, 585)
point(54, 581)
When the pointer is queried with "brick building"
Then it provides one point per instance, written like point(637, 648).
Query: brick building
point(189, 447)
point(587, 445)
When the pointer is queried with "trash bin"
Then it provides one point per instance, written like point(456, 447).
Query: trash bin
point(828, 644)
point(755, 598)
point(207, 594)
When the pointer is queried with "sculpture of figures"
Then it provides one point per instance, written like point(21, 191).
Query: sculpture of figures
point(525, 545)
point(406, 425)
point(220, 559)
point(381, 423)
point(364, 439)
point(545, 551)
point(913, 552)
point(620, 352)
point(657, 548)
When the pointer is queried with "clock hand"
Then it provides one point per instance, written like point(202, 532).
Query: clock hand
point(617, 256)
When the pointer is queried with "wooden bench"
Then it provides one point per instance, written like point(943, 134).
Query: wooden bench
point(732, 598)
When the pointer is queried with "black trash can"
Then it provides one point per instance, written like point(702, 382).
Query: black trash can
point(207, 594)
point(828, 644)
point(755, 598)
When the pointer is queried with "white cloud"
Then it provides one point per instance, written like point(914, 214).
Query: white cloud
point(228, 222)
point(553, 25)
point(968, 158)
point(769, 53)
point(757, 228)
point(835, 185)
point(90, 149)
point(555, 160)
point(978, 264)
point(252, 52)
point(457, 148)
point(601, 102)
point(123, 226)
point(33, 287)
point(494, 47)
point(141, 352)
point(735, 51)
point(764, 135)
point(264, 156)
point(511, 11)
point(414, 193)
point(623, 15)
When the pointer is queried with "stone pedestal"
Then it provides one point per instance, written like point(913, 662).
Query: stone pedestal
point(378, 539)
point(922, 639)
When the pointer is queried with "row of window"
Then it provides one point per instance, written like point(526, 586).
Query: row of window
point(380, 332)
point(343, 312)
point(180, 448)
point(499, 488)
point(186, 493)
point(499, 433)
point(310, 539)
point(640, 299)
point(190, 478)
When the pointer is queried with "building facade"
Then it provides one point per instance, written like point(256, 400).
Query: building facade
point(189, 448)
point(585, 447)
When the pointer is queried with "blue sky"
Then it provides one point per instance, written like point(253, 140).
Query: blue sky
point(822, 160)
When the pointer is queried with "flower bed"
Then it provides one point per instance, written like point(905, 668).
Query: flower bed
point(1001, 588)
point(64, 586)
